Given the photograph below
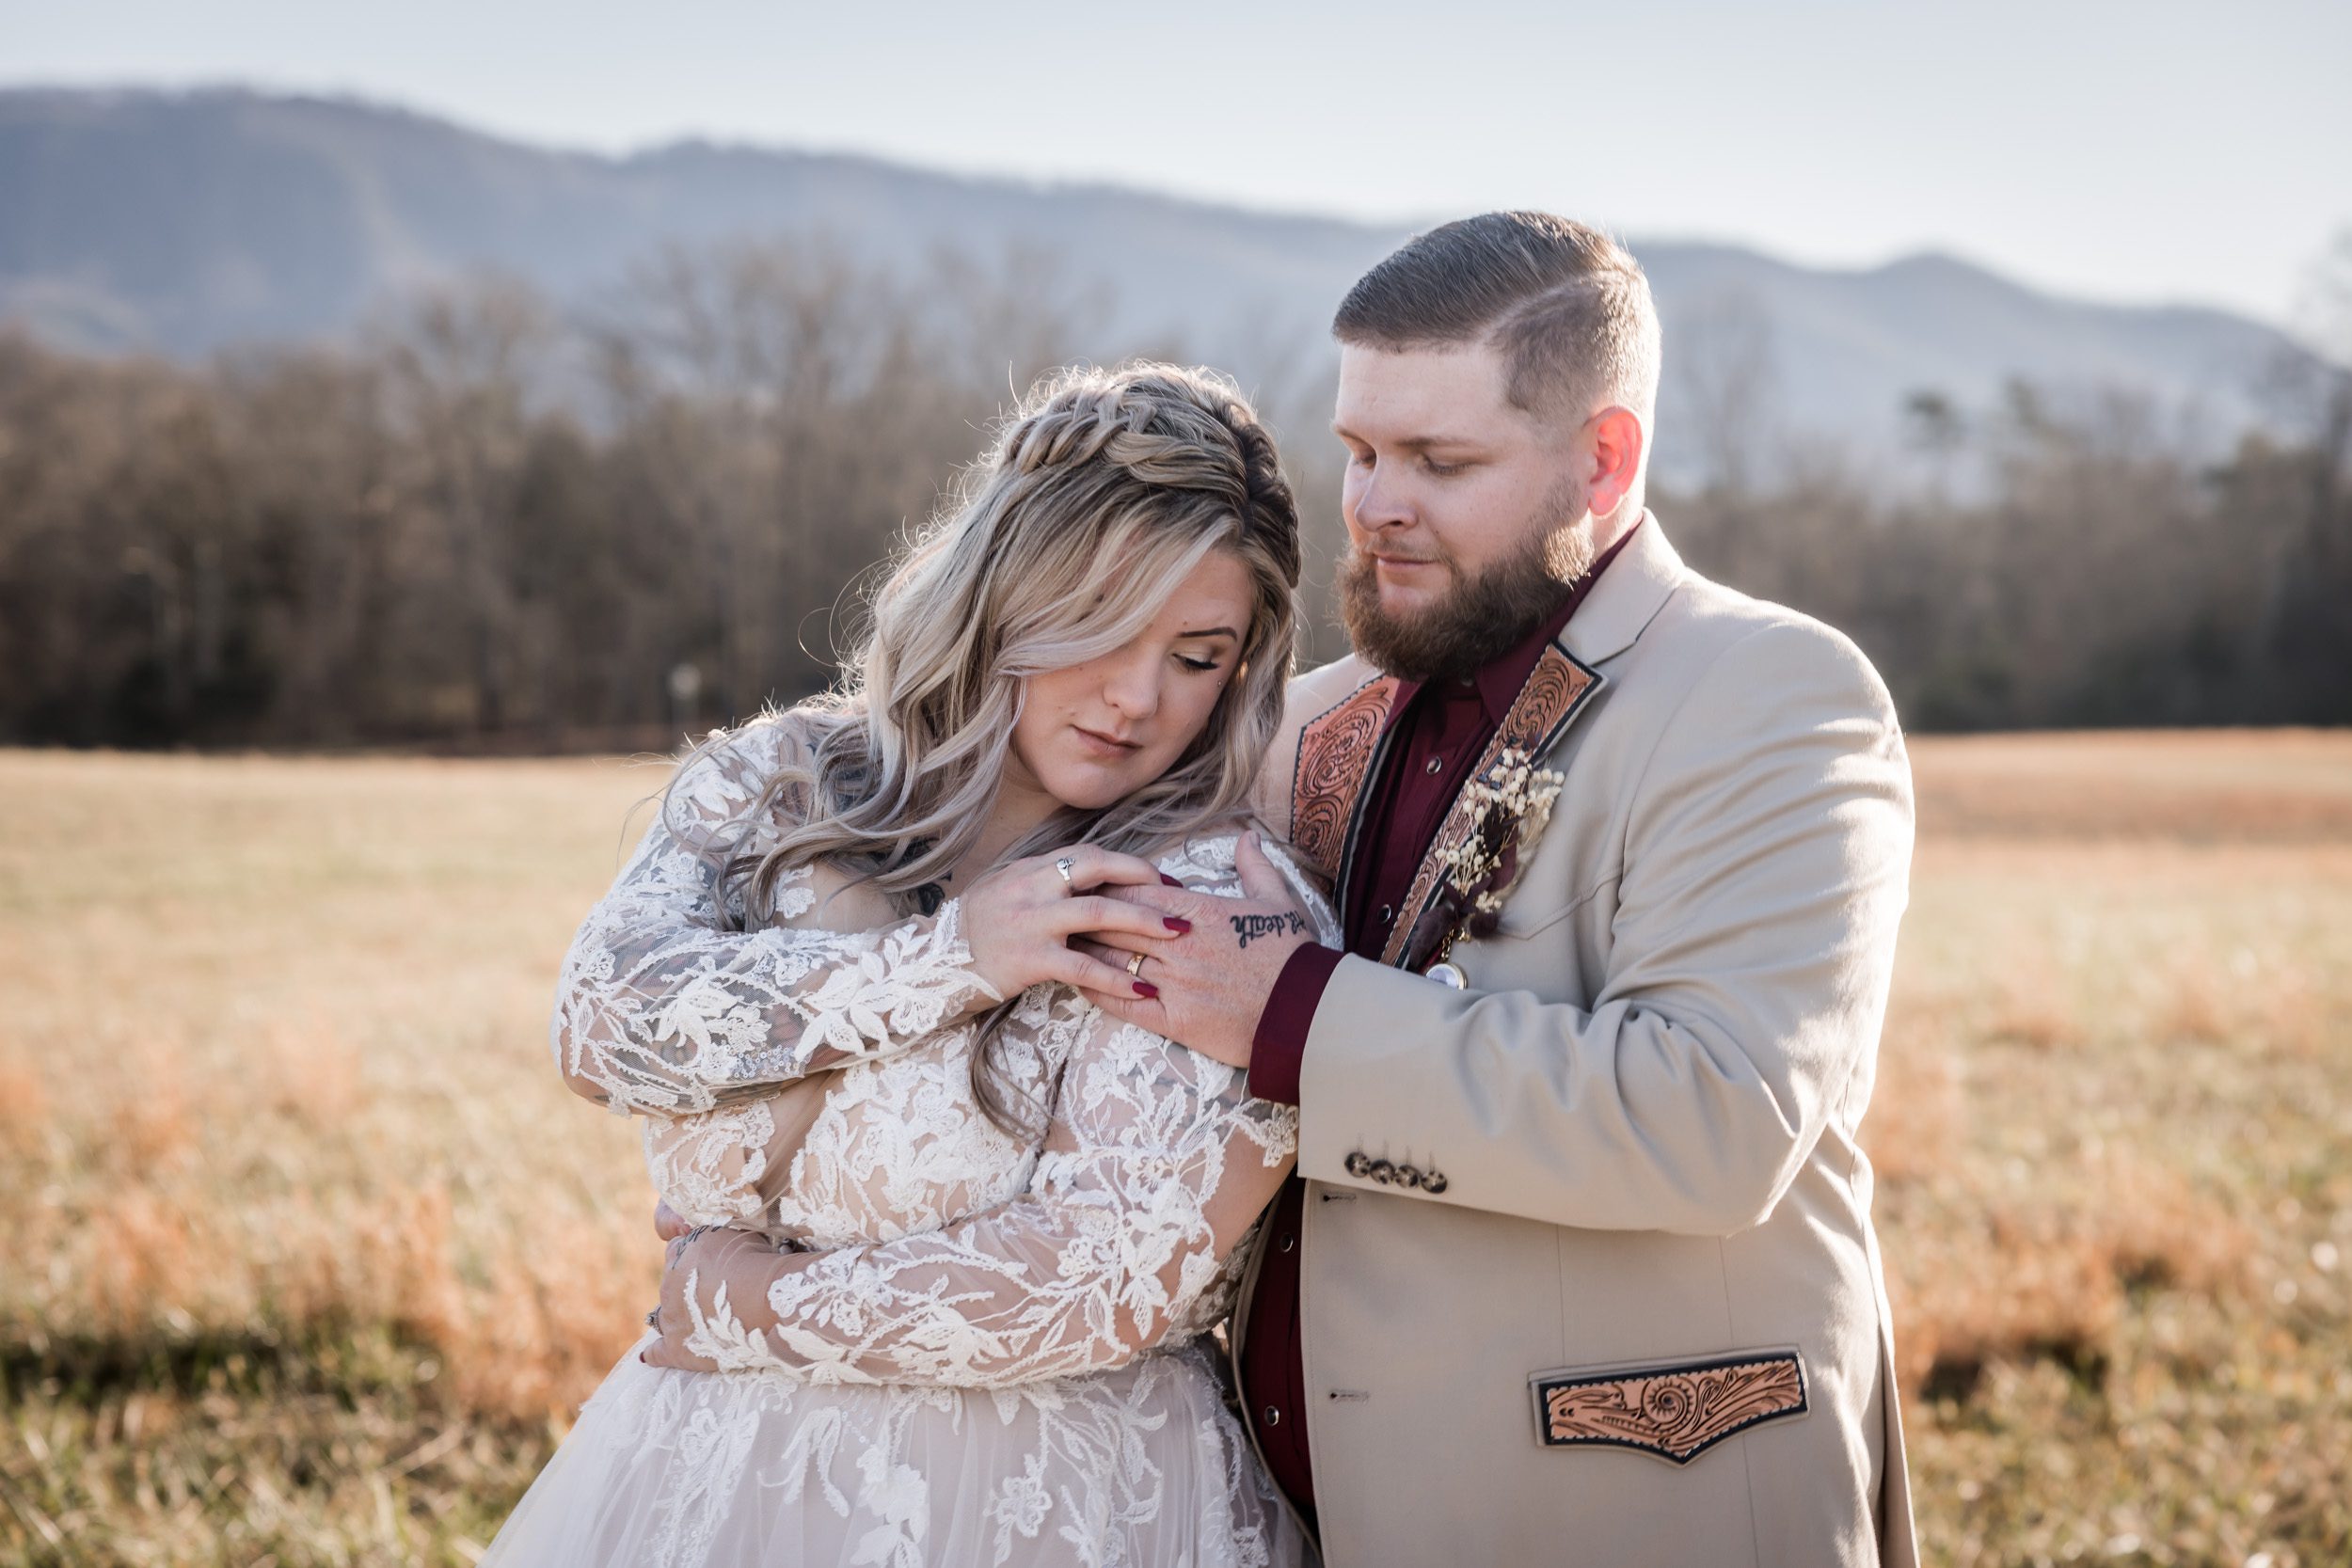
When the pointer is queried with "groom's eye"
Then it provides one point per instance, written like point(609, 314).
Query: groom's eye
point(1441, 470)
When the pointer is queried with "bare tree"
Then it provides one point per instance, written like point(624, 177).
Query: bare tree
point(461, 365)
point(1727, 370)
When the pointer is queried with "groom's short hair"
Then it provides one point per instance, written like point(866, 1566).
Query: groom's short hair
point(1566, 304)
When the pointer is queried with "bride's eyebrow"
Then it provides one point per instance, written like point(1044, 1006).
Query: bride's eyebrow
point(1212, 631)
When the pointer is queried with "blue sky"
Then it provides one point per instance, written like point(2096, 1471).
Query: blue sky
point(2149, 152)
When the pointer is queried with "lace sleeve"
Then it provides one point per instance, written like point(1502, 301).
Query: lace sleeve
point(1157, 1166)
point(658, 1009)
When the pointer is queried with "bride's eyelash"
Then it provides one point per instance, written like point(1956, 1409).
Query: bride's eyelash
point(1203, 665)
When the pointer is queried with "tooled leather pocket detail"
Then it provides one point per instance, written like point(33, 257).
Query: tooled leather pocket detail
point(1677, 1411)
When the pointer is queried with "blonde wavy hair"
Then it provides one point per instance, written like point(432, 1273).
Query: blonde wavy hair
point(1095, 499)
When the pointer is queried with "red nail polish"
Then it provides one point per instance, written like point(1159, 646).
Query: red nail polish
point(1169, 880)
point(1146, 989)
point(1176, 924)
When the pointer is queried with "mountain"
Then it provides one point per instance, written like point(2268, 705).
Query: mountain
point(183, 222)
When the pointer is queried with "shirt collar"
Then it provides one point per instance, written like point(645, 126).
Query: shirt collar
point(1500, 679)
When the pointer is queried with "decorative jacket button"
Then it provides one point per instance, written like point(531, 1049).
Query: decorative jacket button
point(1408, 1177)
point(1358, 1164)
point(1436, 766)
point(1383, 1172)
point(1433, 1183)
point(1288, 1243)
point(1273, 1416)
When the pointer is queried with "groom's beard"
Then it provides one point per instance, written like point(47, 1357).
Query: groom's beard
point(1480, 619)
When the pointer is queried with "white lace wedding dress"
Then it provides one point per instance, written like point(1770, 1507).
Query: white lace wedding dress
point(995, 1350)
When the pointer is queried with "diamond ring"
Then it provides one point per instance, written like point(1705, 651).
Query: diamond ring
point(1065, 865)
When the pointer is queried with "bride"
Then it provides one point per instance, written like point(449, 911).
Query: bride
point(974, 1232)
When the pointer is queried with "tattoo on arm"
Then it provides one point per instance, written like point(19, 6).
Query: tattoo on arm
point(1248, 925)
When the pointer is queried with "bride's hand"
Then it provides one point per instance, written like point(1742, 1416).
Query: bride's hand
point(1019, 918)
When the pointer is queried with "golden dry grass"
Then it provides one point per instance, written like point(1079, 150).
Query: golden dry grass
point(278, 1138)
point(304, 1254)
point(2111, 1126)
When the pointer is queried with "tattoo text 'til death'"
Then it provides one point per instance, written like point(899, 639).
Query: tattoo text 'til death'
point(1248, 925)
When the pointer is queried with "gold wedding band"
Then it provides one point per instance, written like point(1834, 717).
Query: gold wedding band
point(1134, 967)
point(1065, 865)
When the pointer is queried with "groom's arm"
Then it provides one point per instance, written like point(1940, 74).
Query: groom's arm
point(1765, 870)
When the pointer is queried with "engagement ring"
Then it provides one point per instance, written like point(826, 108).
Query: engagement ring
point(1065, 865)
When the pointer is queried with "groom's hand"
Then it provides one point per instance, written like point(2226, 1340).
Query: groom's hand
point(1205, 986)
point(671, 1318)
point(698, 1264)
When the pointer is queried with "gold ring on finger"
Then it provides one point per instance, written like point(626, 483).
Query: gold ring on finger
point(1134, 967)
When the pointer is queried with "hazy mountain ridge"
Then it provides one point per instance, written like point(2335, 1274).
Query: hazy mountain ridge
point(181, 222)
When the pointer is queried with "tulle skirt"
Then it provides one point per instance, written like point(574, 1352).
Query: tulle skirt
point(1141, 1468)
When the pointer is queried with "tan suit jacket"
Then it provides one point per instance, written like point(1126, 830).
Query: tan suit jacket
point(1587, 1269)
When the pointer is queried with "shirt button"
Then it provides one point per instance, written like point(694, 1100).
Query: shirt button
point(1273, 1416)
point(1436, 766)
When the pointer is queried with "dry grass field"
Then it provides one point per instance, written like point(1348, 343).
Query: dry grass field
point(305, 1254)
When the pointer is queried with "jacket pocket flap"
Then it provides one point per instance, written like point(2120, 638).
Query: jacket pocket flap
point(1675, 1410)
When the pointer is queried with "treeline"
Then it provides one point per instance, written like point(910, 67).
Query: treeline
point(490, 524)
point(485, 521)
point(2090, 572)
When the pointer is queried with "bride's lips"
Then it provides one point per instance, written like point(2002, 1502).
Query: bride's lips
point(1105, 746)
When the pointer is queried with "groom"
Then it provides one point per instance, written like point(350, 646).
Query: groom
point(1578, 1264)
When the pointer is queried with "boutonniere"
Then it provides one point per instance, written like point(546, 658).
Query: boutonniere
point(1510, 803)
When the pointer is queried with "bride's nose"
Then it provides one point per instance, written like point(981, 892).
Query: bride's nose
point(1131, 684)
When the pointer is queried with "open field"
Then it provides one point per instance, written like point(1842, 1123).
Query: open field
point(305, 1253)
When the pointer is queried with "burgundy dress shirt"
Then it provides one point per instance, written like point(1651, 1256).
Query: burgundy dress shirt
point(1440, 731)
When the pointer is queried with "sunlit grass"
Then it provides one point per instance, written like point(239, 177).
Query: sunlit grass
point(305, 1255)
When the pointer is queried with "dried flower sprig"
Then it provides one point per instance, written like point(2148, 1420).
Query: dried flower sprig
point(1513, 802)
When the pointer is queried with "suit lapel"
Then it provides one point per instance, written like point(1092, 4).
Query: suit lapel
point(1629, 595)
point(1622, 603)
point(1342, 751)
point(1558, 689)
point(1337, 752)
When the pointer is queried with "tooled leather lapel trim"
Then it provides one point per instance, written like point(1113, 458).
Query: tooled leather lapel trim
point(1555, 694)
point(1336, 752)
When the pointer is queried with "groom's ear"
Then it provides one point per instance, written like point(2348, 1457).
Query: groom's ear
point(1613, 446)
